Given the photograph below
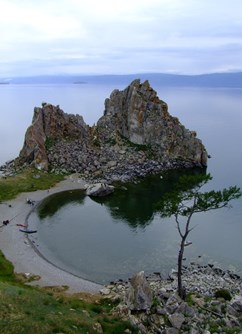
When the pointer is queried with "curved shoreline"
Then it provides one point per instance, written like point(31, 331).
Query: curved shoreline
point(18, 248)
point(32, 244)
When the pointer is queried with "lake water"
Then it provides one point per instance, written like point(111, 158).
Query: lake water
point(116, 237)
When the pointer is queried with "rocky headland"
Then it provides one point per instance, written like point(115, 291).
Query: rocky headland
point(135, 136)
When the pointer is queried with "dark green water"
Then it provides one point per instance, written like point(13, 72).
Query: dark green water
point(116, 236)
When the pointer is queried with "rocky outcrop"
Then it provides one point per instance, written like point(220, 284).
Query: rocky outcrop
point(213, 304)
point(139, 295)
point(49, 126)
point(138, 115)
point(135, 136)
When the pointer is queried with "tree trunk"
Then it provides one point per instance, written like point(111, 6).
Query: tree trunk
point(181, 290)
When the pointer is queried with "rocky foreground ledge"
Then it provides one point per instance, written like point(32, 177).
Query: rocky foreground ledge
point(135, 136)
point(213, 303)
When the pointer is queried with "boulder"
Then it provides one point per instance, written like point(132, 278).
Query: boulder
point(176, 320)
point(139, 295)
point(99, 189)
point(236, 303)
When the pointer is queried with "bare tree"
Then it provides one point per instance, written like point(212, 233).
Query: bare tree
point(186, 200)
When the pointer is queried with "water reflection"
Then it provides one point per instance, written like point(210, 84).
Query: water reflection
point(54, 202)
point(104, 239)
point(135, 203)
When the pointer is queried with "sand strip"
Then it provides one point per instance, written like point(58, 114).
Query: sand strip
point(17, 248)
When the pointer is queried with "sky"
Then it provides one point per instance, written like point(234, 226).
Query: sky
point(53, 37)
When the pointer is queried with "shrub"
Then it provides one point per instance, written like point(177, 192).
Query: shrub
point(223, 293)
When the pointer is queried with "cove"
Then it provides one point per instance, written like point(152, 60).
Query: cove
point(110, 238)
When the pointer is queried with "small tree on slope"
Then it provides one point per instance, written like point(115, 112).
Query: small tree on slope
point(186, 200)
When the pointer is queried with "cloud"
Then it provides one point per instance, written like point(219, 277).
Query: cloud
point(125, 36)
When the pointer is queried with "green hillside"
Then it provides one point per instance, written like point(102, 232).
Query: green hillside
point(25, 309)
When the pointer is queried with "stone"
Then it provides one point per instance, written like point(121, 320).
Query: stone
point(184, 317)
point(111, 164)
point(236, 303)
point(170, 331)
point(176, 320)
point(105, 291)
point(139, 295)
point(97, 327)
point(173, 274)
point(127, 331)
point(157, 320)
point(186, 310)
point(99, 189)
point(232, 311)
point(172, 303)
point(196, 331)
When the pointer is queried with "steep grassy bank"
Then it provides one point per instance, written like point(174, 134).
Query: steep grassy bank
point(25, 309)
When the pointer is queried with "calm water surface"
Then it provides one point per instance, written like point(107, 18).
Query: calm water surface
point(116, 237)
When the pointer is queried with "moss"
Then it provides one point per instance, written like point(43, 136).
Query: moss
point(189, 299)
point(155, 302)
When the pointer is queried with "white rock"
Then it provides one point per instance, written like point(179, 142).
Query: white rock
point(105, 291)
point(99, 189)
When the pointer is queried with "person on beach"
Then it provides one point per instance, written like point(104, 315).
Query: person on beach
point(5, 222)
point(29, 201)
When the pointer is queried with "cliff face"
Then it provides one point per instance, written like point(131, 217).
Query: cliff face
point(50, 125)
point(135, 126)
point(138, 114)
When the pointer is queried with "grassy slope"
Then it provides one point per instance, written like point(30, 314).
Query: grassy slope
point(25, 309)
point(28, 180)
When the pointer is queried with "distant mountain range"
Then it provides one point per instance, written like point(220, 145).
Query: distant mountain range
point(232, 80)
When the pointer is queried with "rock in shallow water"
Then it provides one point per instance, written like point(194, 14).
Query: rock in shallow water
point(99, 189)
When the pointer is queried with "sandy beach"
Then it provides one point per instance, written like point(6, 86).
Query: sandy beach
point(18, 249)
